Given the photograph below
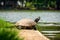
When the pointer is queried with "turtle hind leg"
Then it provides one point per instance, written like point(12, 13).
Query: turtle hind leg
point(34, 28)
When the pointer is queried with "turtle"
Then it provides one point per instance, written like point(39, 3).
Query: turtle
point(27, 23)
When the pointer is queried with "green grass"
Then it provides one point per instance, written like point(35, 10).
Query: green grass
point(8, 31)
point(9, 34)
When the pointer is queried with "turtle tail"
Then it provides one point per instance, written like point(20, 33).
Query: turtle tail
point(37, 19)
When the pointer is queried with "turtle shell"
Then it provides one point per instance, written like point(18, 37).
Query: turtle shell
point(26, 22)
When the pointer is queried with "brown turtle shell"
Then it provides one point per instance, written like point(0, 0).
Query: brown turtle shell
point(26, 22)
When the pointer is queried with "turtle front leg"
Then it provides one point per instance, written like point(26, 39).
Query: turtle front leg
point(18, 27)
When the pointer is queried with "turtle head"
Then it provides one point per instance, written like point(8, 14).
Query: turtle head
point(37, 19)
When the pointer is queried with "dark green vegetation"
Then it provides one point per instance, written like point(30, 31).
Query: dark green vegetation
point(30, 4)
point(9, 34)
point(7, 31)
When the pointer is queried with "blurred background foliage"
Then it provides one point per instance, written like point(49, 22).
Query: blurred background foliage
point(30, 4)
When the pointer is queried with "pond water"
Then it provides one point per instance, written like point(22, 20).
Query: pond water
point(46, 16)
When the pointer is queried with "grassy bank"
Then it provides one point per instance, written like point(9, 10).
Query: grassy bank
point(8, 31)
point(15, 10)
point(9, 34)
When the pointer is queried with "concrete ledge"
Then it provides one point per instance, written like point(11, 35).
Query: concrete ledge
point(32, 35)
